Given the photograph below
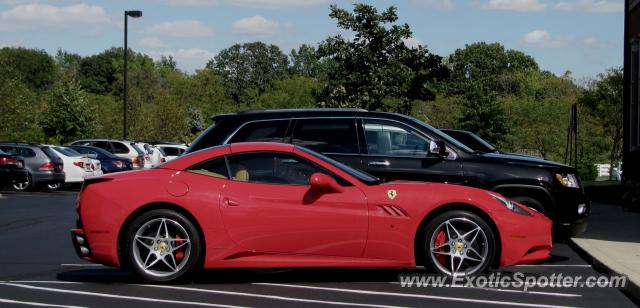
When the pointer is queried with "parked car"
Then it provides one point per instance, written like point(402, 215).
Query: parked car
point(152, 156)
point(44, 167)
point(398, 147)
point(279, 205)
point(120, 148)
point(471, 140)
point(170, 151)
point(109, 162)
point(77, 166)
point(11, 170)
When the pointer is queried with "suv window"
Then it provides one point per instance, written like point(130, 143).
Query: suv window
point(327, 135)
point(270, 131)
point(216, 168)
point(389, 138)
point(18, 151)
point(119, 148)
point(271, 168)
point(101, 144)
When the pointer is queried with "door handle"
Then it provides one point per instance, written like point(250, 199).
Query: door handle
point(230, 202)
point(383, 163)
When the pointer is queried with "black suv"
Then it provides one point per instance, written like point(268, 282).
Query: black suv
point(398, 147)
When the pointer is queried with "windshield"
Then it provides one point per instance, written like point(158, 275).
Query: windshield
point(440, 135)
point(471, 140)
point(364, 177)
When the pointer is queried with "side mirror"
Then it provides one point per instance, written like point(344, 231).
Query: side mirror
point(438, 148)
point(321, 181)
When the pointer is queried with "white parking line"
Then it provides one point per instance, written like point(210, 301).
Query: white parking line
point(443, 298)
point(510, 290)
point(11, 301)
point(136, 298)
point(275, 297)
point(553, 265)
point(41, 281)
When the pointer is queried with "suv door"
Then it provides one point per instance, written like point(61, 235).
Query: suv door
point(334, 137)
point(395, 151)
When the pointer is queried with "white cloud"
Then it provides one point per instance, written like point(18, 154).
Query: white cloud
point(594, 43)
point(28, 17)
point(192, 2)
point(152, 42)
point(255, 25)
point(438, 4)
point(276, 4)
point(181, 28)
point(413, 42)
point(189, 59)
point(542, 39)
point(516, 5)
point(591, 6)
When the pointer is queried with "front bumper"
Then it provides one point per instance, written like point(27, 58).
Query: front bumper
point(572, 211)
point(524, 239)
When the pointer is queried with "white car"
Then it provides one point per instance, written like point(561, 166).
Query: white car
point(170, 151)
point(120, 148)
point(152, 155)
point(77, 166)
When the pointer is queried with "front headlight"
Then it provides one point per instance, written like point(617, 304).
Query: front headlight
point(510, 205)
point(568, 180)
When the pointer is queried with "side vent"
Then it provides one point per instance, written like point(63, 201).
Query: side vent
point(393, 210)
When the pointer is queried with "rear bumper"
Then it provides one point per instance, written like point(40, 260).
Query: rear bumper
point(9, 176)
point(47, 177)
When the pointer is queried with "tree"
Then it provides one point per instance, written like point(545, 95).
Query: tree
point(69, 116)
point(68, 63)
point(294, 92)
point(604, 99)
point(306, 62)
point(248, 70)
point(97, 73)
point(35, 68)
point(376, 65)
point(483, 116)
point(20, 108)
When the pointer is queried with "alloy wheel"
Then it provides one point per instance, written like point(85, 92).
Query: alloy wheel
point(161, 247)
point(459, 247)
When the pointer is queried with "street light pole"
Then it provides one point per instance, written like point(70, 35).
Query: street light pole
point(133, 14)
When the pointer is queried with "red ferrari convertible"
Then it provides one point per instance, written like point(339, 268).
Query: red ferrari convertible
point(270, 205)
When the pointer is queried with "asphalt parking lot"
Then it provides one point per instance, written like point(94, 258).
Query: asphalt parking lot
point(38, 266)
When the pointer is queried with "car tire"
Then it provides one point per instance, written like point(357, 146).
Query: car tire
point(531, 203)
point(459, 243)
point(23, 186)
point(163, 246)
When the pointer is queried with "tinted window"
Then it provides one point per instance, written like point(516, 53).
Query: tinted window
point(18, 151)
point(119, 148)
point(360, 175)
point(472, 141)
point(269, 131)
point(271, 168)
point(216, 168)
point(171, 151)
point(88, 153)
point(327, 135)
point(389, 138)
point(102, 145)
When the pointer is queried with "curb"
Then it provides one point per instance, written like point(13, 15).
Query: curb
point(631, 289)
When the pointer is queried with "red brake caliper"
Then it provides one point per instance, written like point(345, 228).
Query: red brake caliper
point(179, 253)
point(441, 238)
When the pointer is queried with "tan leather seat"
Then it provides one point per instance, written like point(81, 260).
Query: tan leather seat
point(241, 174)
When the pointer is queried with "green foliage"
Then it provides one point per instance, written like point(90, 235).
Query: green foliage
point(35, 68)
point(376, 66)
point(20, 109)
point(98, 72)
point(294, 92)
point(248, 70)
point(68, 116)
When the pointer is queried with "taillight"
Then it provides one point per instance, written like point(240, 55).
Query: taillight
point(79, 164)
point(164, 160)
point(48, 166)
point(147, 157)
point(118, 164)
point(136, 160)
point(9, 161)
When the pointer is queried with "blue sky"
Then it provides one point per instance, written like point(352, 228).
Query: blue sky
point(584, 36)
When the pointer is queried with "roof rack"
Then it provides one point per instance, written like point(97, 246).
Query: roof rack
point(264, 111)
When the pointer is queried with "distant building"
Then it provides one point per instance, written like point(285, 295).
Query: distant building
point(631, 143)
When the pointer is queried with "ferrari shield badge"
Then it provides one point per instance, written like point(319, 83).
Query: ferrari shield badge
point(391, 193)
